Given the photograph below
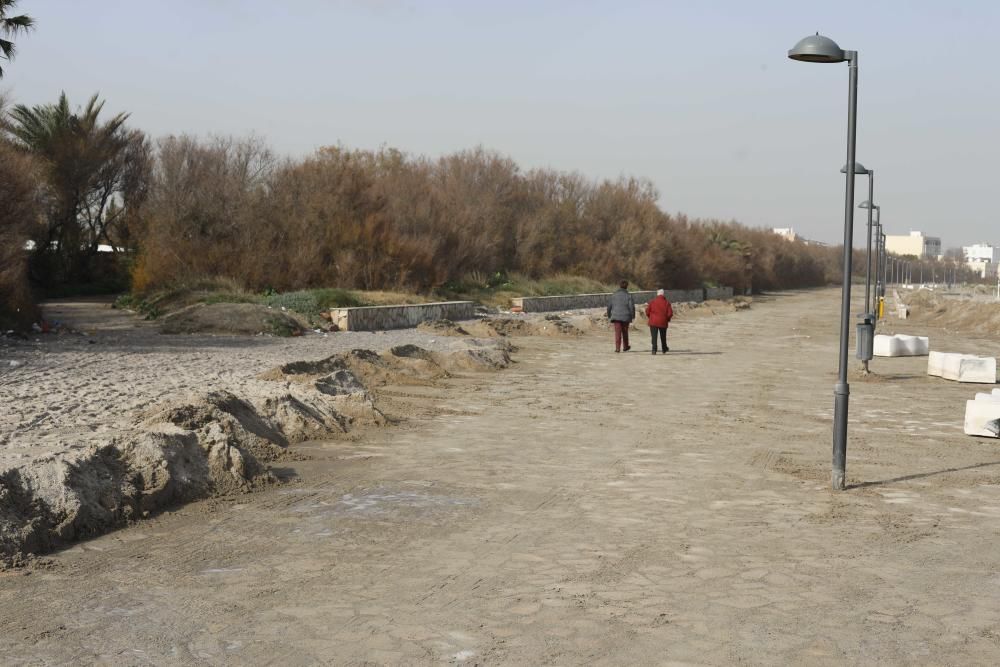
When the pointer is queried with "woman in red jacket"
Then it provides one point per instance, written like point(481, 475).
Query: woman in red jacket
point(659, 312)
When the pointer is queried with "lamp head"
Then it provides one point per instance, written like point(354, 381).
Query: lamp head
point(859, 169)
point(817, 49)
point(867, 204)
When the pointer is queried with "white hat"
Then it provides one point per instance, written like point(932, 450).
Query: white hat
point(659, 292)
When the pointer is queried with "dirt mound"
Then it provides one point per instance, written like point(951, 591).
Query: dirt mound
point(550, 325)
point(211, 444)
point(954, 313)
point(442, 328)
point(693, 310)
point(247, 319)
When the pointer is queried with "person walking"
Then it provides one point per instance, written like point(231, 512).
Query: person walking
point(621, 312)
point(659, 312)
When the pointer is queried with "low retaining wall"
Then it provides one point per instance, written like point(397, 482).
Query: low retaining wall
point(379, 318)
point(539, 304)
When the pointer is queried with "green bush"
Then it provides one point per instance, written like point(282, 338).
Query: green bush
point(312, 302)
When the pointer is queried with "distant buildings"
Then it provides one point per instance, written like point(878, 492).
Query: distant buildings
point(916, 244)
point(982, 258)
point(787, 233)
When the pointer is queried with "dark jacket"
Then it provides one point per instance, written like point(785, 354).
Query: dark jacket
point(621, 307)
point(660, 312)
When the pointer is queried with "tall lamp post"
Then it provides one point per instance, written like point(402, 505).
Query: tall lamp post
point(859, 170)
point(819, 49)
point(868, 205)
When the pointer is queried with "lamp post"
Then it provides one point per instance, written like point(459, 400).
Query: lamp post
point(819, 49)
point(885, 262)
point(868, 205)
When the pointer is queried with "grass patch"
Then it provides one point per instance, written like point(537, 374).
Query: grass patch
point(312, 302)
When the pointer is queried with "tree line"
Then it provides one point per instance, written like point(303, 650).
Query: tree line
point(99, 203)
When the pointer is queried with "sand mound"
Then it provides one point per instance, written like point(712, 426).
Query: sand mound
point(50, 502)
point(954, 313)
point(210, 444)
point(550, 325)
point(246, 319)
point(442, 328)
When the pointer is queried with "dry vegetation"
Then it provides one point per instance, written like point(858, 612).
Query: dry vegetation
point(382, 220)
point(183, 211)
point(18, 208)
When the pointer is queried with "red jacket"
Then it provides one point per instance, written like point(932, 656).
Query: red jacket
point(659, 312)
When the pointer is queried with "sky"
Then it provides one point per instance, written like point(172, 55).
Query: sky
point(698, 97)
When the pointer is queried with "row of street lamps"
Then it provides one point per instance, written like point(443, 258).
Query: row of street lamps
point(819, 49)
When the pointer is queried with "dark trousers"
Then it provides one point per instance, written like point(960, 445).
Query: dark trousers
point(621, 335)
point(663, 337)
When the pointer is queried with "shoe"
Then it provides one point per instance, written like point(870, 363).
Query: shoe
point(617, 351)
point(666, 349)
point(654, 351)
point(627, 348)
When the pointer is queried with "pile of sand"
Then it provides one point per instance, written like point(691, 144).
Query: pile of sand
point(494, 327)
point(953, 313)
point(210, 444)
point(247, 319)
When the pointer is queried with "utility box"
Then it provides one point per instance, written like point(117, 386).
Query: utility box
point(866, 337)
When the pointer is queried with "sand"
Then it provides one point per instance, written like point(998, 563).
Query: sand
point(110, 421)
point(577, 507)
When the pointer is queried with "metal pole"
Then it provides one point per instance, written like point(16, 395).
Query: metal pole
point(841, 390)
point(868, 245)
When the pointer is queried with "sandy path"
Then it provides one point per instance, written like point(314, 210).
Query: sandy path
point(581, 507)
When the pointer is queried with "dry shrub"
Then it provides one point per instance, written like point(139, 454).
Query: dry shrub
point(383, 220)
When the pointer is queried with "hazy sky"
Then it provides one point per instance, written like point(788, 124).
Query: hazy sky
point(697, 96)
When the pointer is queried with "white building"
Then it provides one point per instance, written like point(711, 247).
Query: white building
point(787, 233)
point(916, 244)
point(982, 258)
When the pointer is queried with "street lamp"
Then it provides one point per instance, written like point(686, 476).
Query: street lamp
point(819, 49)
point(859, 170)
point(867, 204)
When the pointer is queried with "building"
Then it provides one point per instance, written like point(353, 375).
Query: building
point(982, 258)
point(787, 233)
point(916, 244)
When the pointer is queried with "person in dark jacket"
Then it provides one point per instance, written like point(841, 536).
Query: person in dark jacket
point(621, 312)
point(659, 312)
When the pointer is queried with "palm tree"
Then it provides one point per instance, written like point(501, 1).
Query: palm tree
point(11, 26)
point(85, 161)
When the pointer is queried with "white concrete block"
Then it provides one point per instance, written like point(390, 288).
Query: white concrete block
point(989, 398)
point(982, 418)
point(935, 363)
point(962, 367)
point(901, 345)
point(970, 368)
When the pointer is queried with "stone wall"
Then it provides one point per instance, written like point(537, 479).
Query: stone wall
point(380, 318)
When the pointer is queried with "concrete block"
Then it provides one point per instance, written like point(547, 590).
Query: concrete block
point(379, 318)
point(901, 345)
point(935, 363)
point(970, 368)
point(718, 293)
point(982, 418)
point(962, 367)
point(992, 397)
